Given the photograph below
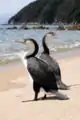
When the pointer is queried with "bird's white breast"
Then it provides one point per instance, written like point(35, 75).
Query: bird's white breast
point(22, 55)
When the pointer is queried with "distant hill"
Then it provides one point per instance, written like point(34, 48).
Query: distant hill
point(48, 11)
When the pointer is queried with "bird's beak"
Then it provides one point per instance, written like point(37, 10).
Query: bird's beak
point(20, 41)
point(24, 41)
point(54, 34)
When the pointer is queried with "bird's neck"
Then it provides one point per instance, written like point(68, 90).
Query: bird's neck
point(36, 48)
point(46, 49)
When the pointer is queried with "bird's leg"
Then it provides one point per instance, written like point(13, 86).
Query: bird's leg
point(44, 97)
point(36, 88)
point(35, 96)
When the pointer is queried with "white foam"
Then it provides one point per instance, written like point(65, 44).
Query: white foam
point(66, 46)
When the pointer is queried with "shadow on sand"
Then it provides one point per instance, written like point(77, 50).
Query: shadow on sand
point(48, 98)
point(52, 97)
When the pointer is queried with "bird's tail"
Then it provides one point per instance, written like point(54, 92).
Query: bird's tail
point(62, 86)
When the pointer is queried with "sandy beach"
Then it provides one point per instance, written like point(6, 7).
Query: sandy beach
point(16, 93)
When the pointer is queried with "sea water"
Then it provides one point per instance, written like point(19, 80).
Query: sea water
point(63, 41)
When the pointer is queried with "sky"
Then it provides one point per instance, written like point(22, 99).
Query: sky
point(12, 6)
point(8, 8)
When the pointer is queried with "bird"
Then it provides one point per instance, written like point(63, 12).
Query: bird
point(45, 55)
point(40, 72)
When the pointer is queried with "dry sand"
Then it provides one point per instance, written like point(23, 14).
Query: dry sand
point(16, 90)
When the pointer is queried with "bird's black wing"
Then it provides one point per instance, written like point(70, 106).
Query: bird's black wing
point(53, 63)
point(41, 73)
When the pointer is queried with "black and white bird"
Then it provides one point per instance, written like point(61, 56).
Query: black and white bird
point(40, 72)
point(45, 55)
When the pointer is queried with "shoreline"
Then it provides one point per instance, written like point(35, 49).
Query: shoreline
point(58, 56)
